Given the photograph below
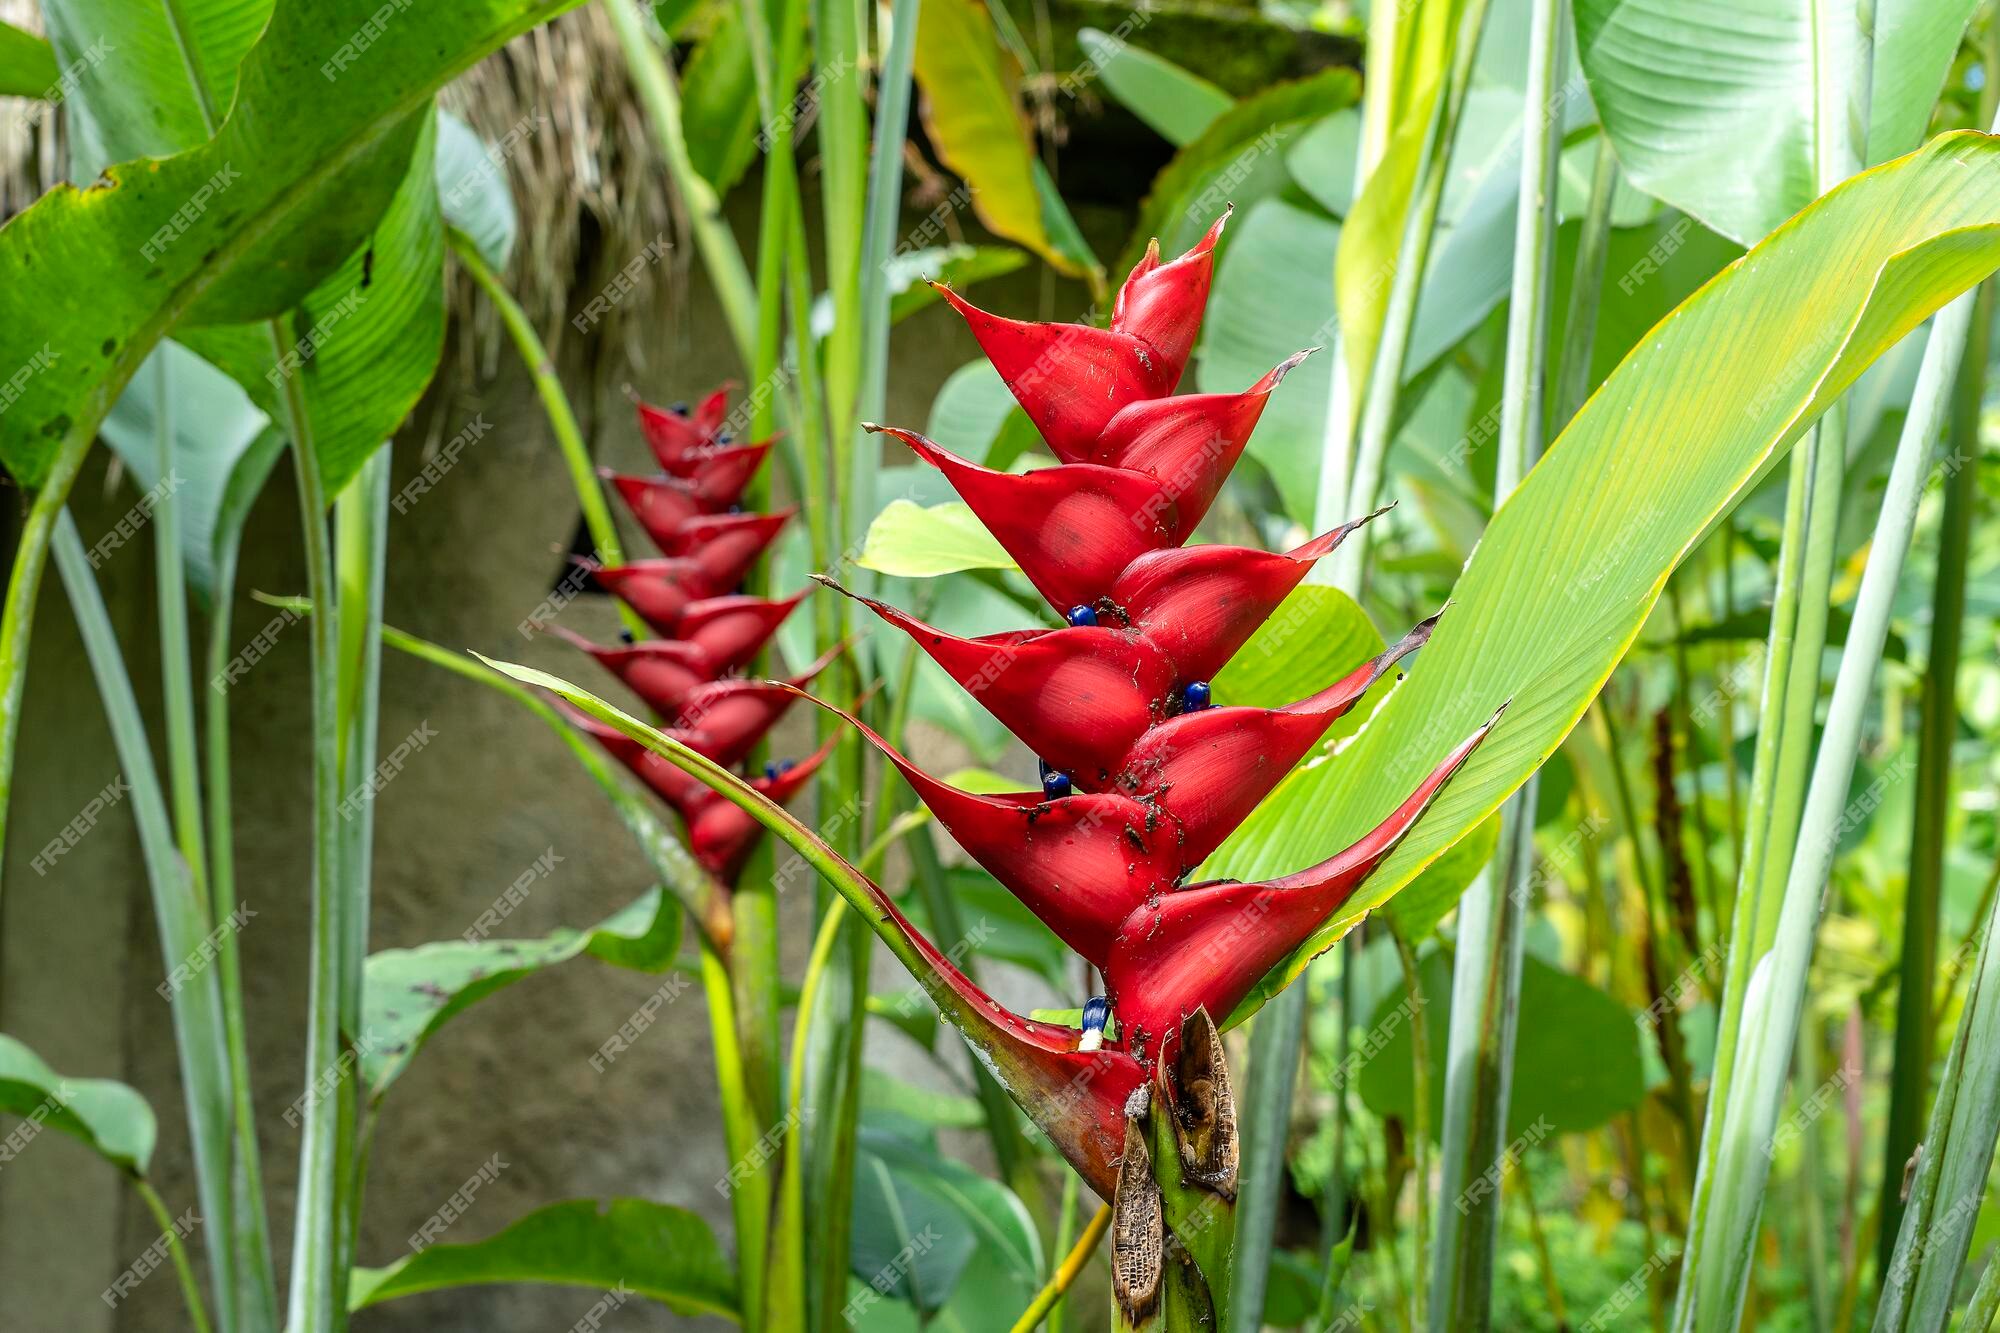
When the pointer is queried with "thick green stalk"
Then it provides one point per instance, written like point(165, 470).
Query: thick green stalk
point(176, 676)
point(253, 1228)
point(1492, 917)
point(1744, 1121)
point(317, 1301)
point(1938, 728)
point(181, 918)
point(1420, 1127)
point(1715, 1267)
point(712, 237)
point(361, 522)
point(1275, 1037)
point(1385, 372)
point(743, 1130)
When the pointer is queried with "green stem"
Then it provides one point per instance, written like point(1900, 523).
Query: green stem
point(317, 1302)
point(788, 1263)
point(712, 237)
point(190, 1288)
point(742, 1131)
point(1492, 917)
point(1275, 1037)
point(555, 403)
point(1385, 373)
point(1420, 1125)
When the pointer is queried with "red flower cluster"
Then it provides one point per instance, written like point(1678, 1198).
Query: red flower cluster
point(709, 632)
point(1145, 773)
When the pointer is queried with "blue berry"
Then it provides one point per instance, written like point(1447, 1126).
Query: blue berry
point(625, 636)
point(679, 409)
point(1096, 1013)
point(1055, 786)
point(1195, 697)
point(770, 771)
point(1082, 615)
point(725, 438)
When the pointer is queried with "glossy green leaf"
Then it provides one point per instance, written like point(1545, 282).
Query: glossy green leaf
point(27, 64)
point(1177, 103)
point(214, 425)
point(634, 1246)
point(1711, 107)
point(408, 994)
point(1431, 896)
point(112, 1119)
point(1642, 472)
point(1576, 1055)
point(915, 541)
point(1239, 158)
point(972, 113)
point(472, 185)
point(968, 412)
point(1321, 160)
point(90, 280)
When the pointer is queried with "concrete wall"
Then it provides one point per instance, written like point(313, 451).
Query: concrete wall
point(79, 957)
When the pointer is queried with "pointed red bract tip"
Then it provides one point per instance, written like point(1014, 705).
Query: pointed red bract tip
point(1210, 944)
point(1071, 379)
point(1073, 529)
point(1163, 304)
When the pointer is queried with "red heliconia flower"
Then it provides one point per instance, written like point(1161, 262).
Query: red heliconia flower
point(732, 629)
point(718, 543)
point(1145, 774)
point(1073, 379)
point(679, 438)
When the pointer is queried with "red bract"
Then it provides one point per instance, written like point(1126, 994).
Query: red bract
point(1073, 379)
point(1143, 775)
point(708, 629)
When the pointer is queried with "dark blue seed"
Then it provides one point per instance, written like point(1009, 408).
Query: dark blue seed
point(787, 765)
point(1195, 697)
point(1082, 615)
point(625, 636)
point(725, 438)
point(770, 771)
point(1096, 1013)
point(679, 409)
point(1055, 786)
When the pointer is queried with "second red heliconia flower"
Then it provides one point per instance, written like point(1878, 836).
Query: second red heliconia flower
point(710, 630)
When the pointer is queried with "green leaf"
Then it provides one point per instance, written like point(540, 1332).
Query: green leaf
point(300, 172)
point(1431, 896)
point(653, 1250)
point(719, 102)
point(914, 541)
point(1314, 630)
point(1642, 472)
point(972, 113)
point(112, 1119)
point(214, 426)
point(472, 184)
point(366, 341)
point(943, 1110)
point(1321, 160)
point(1576, 1054)
point(1239, 158)
point(408, 994)
point(968, 412)
point(1178, 104)
point(920, 1219)
point(1915, 43)
point(27, 64)
point(1711, 108)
